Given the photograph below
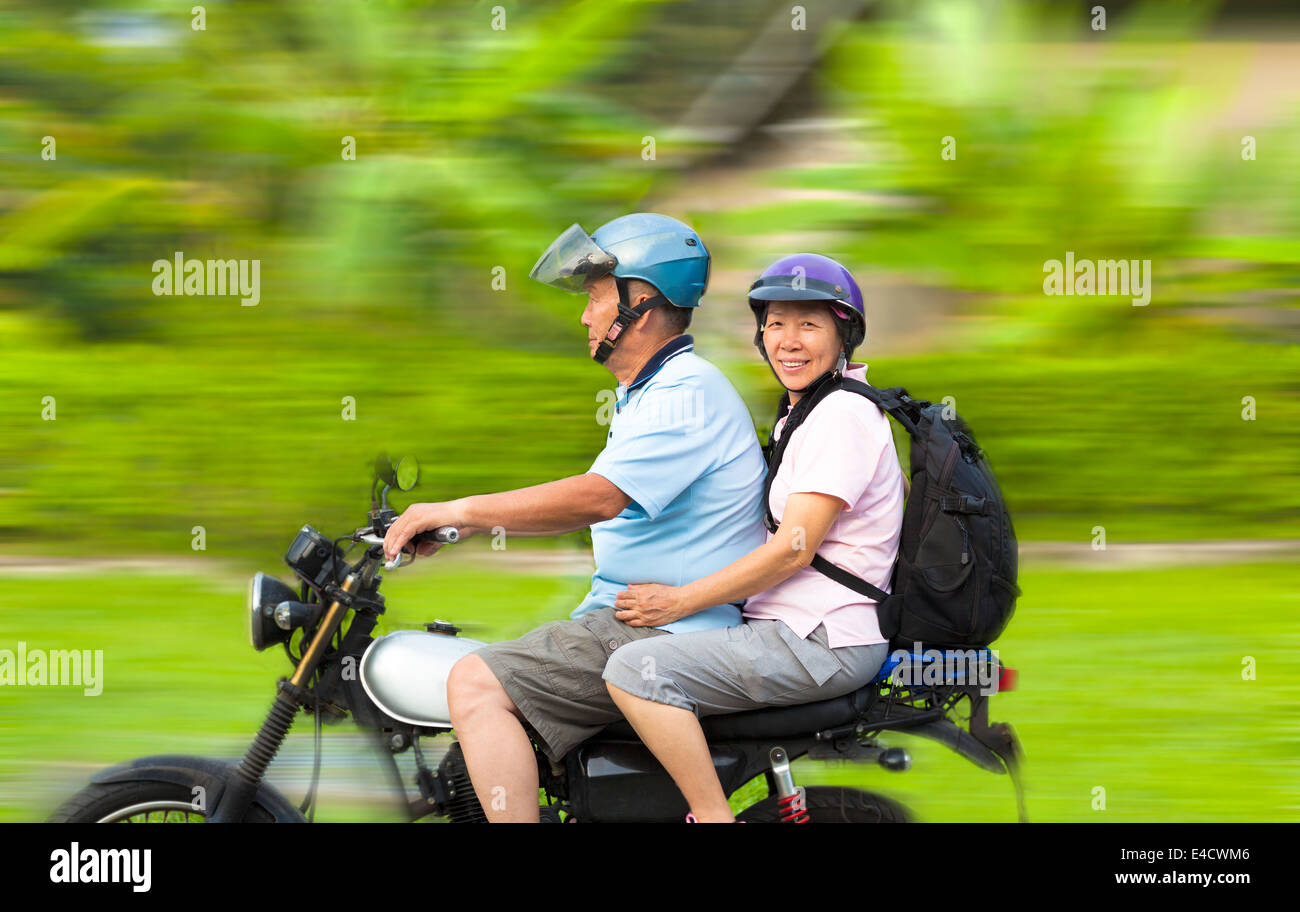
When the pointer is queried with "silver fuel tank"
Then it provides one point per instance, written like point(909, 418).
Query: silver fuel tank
point(405, 673)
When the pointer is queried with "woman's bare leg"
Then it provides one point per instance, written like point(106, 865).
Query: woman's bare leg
point(675, 737)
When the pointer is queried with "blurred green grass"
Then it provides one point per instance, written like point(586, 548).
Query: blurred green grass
point(1129, 680)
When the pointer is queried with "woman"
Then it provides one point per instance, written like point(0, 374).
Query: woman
point(838, 491)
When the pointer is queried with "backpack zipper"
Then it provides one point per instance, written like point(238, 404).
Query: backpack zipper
point(945, 476)
point(965, 541)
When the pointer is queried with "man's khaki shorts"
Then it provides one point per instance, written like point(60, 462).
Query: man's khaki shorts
point(554, 675)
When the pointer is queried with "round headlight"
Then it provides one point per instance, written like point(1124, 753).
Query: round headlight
point(264, 593)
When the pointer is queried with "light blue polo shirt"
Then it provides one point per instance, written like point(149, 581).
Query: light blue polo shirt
point(682, 445)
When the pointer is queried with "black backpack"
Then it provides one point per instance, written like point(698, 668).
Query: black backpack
point(954, 582)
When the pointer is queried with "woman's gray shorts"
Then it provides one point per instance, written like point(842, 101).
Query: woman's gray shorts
point(730, 669)
point(552, 675)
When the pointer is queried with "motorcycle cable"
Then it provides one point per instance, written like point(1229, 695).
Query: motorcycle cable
point(308, 805)
point(334, 550)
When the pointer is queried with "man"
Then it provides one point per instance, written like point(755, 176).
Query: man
point(674, 496)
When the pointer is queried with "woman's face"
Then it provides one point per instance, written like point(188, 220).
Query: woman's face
point(801, 341)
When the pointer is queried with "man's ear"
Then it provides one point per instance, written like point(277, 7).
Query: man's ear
point(637, 300)
point(643, 321)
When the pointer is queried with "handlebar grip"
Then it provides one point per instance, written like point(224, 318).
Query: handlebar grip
point(447, 535)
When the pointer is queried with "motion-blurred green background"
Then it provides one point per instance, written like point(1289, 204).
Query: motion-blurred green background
point(400, 279)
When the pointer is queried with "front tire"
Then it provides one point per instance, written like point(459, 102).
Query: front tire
point(140, 802)
point(832, 804)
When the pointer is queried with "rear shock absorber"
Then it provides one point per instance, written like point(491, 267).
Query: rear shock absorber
point(790, 801)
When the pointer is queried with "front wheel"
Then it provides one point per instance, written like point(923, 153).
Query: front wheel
point(140, 802)
point(832, 804)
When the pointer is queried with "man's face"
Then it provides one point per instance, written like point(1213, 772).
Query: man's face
point(601, 309)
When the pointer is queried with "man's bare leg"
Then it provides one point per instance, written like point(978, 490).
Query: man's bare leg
point(499, 755)
point(676, 739)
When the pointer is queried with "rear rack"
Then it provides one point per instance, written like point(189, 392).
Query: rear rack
point(928, 711)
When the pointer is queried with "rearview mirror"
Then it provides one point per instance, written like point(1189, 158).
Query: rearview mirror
point(384, 470)
point(402, 473)
point(407, 473)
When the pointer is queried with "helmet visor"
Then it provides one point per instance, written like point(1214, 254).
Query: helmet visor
point(797, 288)
point(572, 258)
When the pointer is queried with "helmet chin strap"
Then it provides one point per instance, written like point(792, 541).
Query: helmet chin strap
point(627, 315)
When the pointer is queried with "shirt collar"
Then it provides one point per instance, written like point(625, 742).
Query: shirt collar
point(670, 349)
point(854, 370)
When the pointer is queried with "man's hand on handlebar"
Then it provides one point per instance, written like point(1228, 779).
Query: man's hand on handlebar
point(417, 518)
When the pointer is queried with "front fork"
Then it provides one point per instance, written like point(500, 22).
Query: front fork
point(238, 794)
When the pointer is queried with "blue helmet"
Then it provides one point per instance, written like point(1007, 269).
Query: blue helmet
point(654, 248)
point(660, 250)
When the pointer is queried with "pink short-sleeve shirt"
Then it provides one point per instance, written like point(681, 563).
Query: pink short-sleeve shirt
point(844, 448)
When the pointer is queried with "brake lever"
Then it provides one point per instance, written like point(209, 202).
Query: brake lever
point(367, 536)
point(446, 535)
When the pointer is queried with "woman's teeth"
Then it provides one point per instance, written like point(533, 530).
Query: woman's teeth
point(793, 365)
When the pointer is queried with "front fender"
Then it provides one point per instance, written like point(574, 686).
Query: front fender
point(212, 775)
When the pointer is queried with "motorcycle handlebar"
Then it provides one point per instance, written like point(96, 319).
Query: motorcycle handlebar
point(447, 535)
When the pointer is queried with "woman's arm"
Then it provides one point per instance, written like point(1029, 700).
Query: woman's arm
point(804, 524)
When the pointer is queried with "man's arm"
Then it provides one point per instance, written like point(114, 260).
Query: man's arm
point(545, 509)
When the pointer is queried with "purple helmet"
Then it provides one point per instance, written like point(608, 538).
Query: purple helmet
point(811, 277)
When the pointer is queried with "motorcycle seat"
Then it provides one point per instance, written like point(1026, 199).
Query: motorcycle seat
point(771, 721)
point(805, 718)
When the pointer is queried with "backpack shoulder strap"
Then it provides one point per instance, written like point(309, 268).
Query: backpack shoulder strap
point(775, 449)
point(894, 401)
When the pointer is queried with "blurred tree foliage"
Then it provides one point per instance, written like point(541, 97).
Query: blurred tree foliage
point(1094, 411)
point(1063, 141)
point(397, 278)
point(475, 147)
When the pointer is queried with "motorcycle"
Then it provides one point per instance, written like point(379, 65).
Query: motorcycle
point(394, 687)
